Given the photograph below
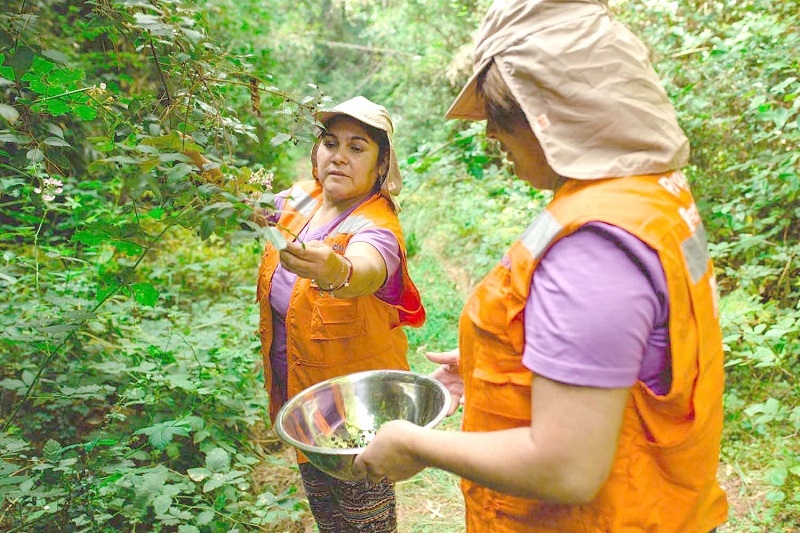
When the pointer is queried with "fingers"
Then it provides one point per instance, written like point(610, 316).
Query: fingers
point(456, 400)
point(307, 260)
point(444, 358)
point(361, 472)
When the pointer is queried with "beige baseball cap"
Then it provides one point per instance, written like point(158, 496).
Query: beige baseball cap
point(585, 84)
point(377, 116)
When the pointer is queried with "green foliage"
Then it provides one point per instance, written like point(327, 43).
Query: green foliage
point(144, 416)
point(127, 381)
point(115, 387)
point(736, 90)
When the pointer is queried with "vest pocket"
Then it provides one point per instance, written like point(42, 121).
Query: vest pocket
point(336, 319)
point(500, 386)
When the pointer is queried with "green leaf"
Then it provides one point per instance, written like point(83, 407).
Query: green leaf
point(124, 159)
point(35, 155)
point(182, 381)
point(21, 60)
point(52, 450)
point(128, 247)
point(218, 460)
point(149, 485)
point(161, 504)
point(6, 41)
point(55, 141)
point(776, 476)
point(102, 144)
point(215, 482)
point(198, 474)
point(87, 392)
point(13, 138)
point(207, 226)
point(145, 294)
point(56, 107)
point(55, 130)
point(204, 518)
point(776, 496)
point(173, 142)
point(90, 237)
point(58, 328)
point(66, 77)
point(152, 24)
point(55, 56)
point(85, 112)
point(13, 385)
point(162, 434)
point(280, 139)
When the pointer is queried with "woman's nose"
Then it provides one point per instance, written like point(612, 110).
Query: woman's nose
point(339, 157)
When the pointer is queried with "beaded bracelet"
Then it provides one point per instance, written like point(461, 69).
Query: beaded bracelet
point(347, 278)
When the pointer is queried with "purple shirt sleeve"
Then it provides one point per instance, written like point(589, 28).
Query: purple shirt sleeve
point(386, 243)
point(597, 314)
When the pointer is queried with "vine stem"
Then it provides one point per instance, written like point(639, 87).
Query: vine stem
point(62, 95)
point(36, 253)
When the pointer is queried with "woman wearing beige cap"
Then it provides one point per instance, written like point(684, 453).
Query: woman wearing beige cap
point(333, 298)
point(590, 357)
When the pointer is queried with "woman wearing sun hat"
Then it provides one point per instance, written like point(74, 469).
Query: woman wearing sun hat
point(333, 300)
point(590, 358)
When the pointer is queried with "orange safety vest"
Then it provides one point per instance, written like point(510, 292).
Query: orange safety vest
point(663, 477)
point(328, 337)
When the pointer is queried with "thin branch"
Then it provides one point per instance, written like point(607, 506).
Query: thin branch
point(370, 49)
point(160, 72)
point(690, 52)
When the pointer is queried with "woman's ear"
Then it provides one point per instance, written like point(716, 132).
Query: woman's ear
point(383, 166)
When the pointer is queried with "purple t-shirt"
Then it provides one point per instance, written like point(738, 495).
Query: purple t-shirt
point(283, 281)
point(597, 314)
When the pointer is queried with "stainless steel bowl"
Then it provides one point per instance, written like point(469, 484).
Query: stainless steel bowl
point(333, 421)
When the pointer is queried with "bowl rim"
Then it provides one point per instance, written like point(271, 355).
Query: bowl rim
point(310, 448)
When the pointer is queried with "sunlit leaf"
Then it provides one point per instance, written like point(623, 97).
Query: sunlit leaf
point(198, 474)
point(145, 294)
point(9, 113)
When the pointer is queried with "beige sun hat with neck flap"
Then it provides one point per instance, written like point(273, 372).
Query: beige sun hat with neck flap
point(585, 84)
point(375, 115)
